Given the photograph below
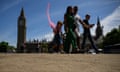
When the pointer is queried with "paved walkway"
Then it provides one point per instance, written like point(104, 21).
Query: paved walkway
point(59, 63)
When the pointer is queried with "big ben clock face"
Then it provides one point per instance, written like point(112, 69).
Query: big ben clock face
point(21, 22)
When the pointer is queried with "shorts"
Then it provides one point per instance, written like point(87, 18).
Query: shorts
point(57, 39)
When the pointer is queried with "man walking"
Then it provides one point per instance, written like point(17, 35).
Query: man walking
point(87, 34)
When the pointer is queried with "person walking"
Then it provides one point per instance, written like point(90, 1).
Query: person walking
point(87, 34)
point(77, 23)
point(69, 29)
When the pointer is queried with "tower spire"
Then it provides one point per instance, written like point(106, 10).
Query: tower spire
point(99, 30)
point(98, 21)
point(22, 12)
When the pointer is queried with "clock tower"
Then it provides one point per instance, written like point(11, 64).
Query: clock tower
point(21, 33)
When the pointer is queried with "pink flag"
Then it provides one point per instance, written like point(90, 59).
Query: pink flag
point(49, 19)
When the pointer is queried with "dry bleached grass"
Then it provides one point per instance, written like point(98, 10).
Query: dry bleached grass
point(59, 63)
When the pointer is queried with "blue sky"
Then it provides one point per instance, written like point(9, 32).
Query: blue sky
point(37, 22)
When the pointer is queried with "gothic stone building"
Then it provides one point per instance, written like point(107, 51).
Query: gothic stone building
point(22, 44)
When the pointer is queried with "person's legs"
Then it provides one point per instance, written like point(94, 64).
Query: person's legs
point(78, 42)
point(77, 33)
point(84, 40)
point(54, 44)
point(67, 43)
point(92, 43)
point(60, 43)
point(73, 41)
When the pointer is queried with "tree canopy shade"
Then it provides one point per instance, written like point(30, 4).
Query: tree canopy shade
point(4, 46)
point(112, 37)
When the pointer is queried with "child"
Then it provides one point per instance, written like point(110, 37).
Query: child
point(57, 40)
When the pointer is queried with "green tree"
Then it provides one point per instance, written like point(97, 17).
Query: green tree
point(112, 37)
point(3, 46)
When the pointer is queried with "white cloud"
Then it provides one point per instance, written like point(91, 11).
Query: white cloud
point(49, 36)
point(109, 22)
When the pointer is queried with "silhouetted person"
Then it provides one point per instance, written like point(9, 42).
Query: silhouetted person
point(57, 40)
point(77, 23)
point(69, 29)
point(87, 34)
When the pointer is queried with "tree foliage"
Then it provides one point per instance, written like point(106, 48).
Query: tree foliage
point(112, 37)
point(4, 47)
